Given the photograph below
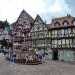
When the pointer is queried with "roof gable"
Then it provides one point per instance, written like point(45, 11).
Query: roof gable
point(23, 18)
point(38, 19)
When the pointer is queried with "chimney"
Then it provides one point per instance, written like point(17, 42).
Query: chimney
point(68, 15)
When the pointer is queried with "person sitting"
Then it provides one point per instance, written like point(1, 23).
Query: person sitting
point(14, 57)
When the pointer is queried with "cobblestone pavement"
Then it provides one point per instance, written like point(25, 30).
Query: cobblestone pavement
point(48, 68)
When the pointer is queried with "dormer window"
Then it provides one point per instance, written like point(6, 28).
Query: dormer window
point(74, 22)
point(65, 23)
point(57, 24)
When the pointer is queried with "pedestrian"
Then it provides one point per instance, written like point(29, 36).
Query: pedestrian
point(40, 56)
point(26, 57)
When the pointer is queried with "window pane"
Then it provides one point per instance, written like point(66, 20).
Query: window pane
point(66, 31)
point(59, 42)
point(73, 22)
point(65, 23)
point(55, 41)
point(67, 41)
point(63, 41)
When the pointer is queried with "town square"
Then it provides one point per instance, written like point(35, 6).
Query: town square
point(37, 37)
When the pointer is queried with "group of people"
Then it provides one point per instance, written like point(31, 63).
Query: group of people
point(11, 57)
point(40, 55)
point(28, 58)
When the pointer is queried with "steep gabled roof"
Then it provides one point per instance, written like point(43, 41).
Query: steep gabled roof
point(26, 14)
point(39, 19)
point(23, 13)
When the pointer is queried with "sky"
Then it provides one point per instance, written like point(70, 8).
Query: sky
point(47, 9)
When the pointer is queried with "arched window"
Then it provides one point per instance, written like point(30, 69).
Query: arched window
point(65, 23)
point(57, 24)
point(73, 21)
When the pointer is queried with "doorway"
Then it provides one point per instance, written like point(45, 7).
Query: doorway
point(55, 55)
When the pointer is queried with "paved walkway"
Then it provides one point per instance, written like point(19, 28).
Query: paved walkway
point(48, 68)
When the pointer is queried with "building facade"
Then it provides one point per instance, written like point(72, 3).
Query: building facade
point(20, 30)
point(40, 37)
point(63, 38)
point(5, 34)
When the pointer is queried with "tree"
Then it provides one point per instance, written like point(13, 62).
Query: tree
point(4, 42)
point(6, 24)
point(2, 25)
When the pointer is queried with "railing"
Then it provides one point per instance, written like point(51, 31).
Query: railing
point(63, 46)
point(62, 35)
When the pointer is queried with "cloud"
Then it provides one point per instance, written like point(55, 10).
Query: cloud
point(47, 9)
point(11, 9)
point(71, 6)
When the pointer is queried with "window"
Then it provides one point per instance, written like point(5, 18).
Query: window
point(42, 41)
point(57, 24)
point(41, 33)
point(59, 33)
point(39, 42)
point(67, 41)
point(70, 41)
point(69, 31)
point(55, 41)
point(55, 33)
point(59, 42)
point(65, 32)
point(74, 22)
point(36, 34)
point(73, 30)
point(32, 34)
point(36, 27)
point(63, 41)
point(65, 23)
point(62, 32)
point(18, 33)
point(45, 33)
